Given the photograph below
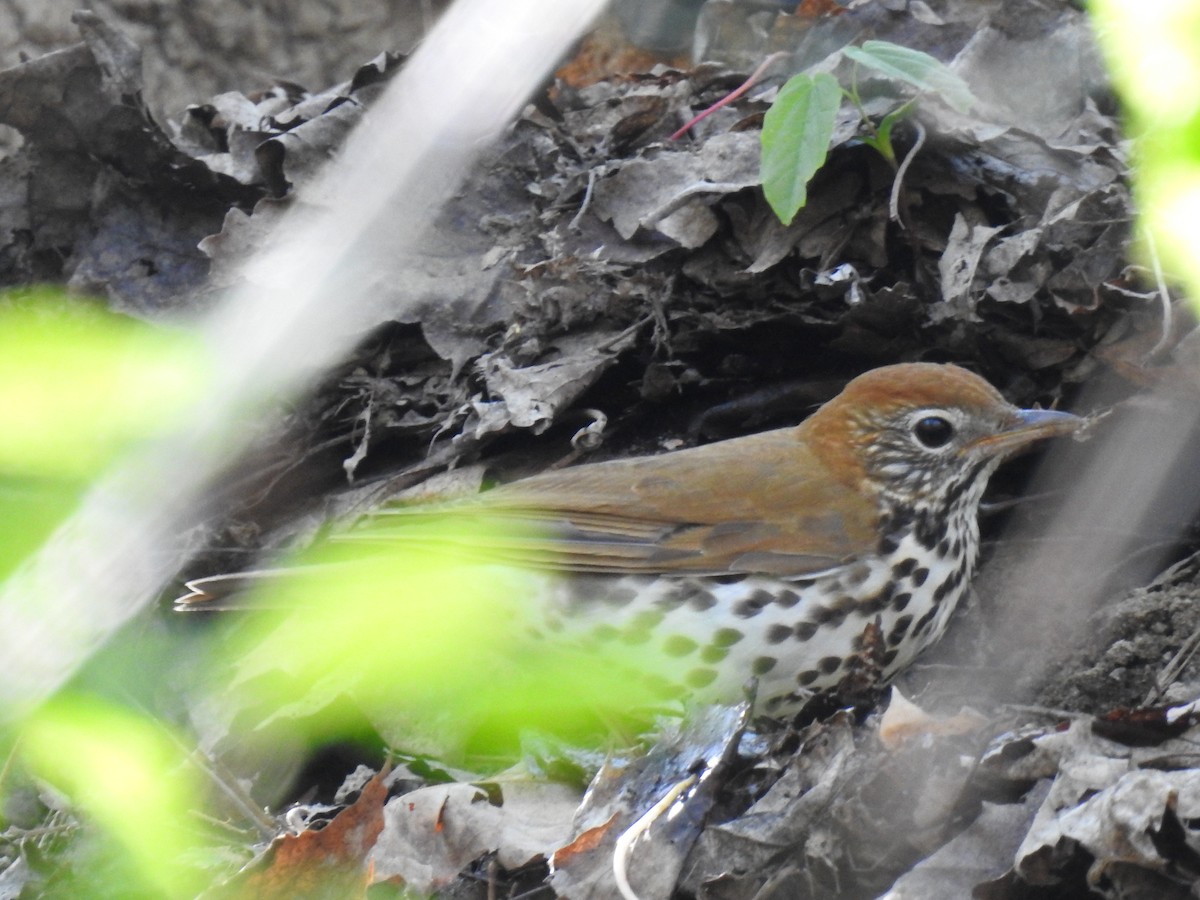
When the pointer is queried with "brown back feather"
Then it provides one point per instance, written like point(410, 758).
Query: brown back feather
point(759, 504)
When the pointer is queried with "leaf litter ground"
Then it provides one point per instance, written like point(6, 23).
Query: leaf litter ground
point(596, 277)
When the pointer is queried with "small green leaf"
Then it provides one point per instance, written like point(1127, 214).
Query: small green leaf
point(882, 140)
point(914, 67)
point(795, 140)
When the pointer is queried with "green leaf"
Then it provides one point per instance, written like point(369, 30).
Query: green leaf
point(882, 139)
point(913, 67)
point(795, 140)
point(510, 682)
point(130, 777)
point(79, 384)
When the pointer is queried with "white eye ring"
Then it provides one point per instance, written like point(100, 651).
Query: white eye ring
point(933, 429)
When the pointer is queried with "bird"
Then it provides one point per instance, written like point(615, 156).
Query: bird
point(761, 559)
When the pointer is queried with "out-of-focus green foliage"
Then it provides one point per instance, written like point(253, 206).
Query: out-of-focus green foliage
point(78, 386)
point(408, 634)
point(124, 774)
point(1153, 51)
point(421, 630)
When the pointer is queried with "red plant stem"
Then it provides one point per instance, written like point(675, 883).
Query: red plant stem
point(731, 96)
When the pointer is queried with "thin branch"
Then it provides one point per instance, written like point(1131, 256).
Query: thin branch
point(624, 847)
point(587, 199)
point(1163, 294)
point(894, 202)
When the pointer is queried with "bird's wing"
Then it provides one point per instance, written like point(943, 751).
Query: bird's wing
point(756, 505)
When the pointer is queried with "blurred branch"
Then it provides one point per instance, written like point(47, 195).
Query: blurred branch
point(111, 559)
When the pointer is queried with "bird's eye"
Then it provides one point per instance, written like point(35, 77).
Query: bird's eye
point(933, 431)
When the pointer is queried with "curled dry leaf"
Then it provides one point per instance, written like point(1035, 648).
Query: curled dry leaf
point(903, 720)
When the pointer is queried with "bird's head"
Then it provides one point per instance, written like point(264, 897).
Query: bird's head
point(919, 431)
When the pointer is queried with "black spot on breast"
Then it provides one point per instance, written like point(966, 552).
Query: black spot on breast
point(678, 593)
point(919, 576)
point(777, 633)
point(829, 664)
point(619, 596)
point(701, 601)
point(901, 600)
point(641, 626)
point(805, 630)
point(763, 664)
point(699, 678)
point(899, 630)
point(940, 592)
point(678, 645)
point(730, 579)
point(726, 637)
point(834, 615)
point(593, 589)
point(830, 586)
point(904, 568)
point(927, 532)
point(787, 599)
point(893, 525)
point(956, 490)
point(846, 604)
point(890, 657)
point(804, 679)
point(924, 622)
point(711, 654)
point(952, 583)
point(647, 618)
point(663, 687)
point(873, 605)
point(879, 602)
point(857, 575)
point(752, 605)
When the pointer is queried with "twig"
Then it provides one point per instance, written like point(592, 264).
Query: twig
point(894, 202)
point(587, 199)
point(1172, 669)
point(1164, 296)
point(211, 768)
point(624, 845)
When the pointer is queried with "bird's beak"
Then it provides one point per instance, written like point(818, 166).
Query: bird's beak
point(1029, 426)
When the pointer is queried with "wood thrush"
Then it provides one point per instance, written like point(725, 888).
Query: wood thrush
point(767, 555)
